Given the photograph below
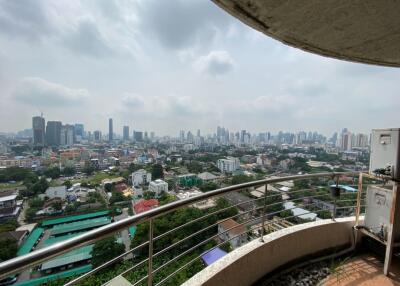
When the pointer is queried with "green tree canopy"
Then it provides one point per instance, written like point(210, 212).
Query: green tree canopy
point(105, 250)
point(53, 172)
point(117, 197)
point(8, 249)
point(68, 184)
point(69, 171)
point(157, 172)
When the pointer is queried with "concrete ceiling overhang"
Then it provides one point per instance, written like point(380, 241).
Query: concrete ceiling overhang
point(366, 31)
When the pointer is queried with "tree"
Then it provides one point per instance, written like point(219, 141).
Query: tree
point(210, 186)
point(8, 249)
point(30, 214)
point(105, 250)
point(157, 172)
point(171, 184)
point(108, 187)
point(9, 225)
point(239, 179)
point(36, 203)
point(68, 184)
point(149, 195)
point(194, 167)
point(20, 149)
point(40, 186)
point(88, 169)
point(117, 197)
point(134, 167)
point(14, 174)
point(69, 171)
point(57, 206)
point(53, 172)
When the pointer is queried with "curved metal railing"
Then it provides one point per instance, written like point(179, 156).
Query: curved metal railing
point(37, 257)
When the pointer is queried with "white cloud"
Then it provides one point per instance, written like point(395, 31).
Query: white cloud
point(38, 92)
point(215, 63)
point(132, 100)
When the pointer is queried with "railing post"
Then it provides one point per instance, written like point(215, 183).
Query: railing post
point(359, 194)
point(334, 200)
point(263, 213)
point(150, 265)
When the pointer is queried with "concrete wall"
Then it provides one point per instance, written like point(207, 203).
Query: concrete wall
point(251, 262)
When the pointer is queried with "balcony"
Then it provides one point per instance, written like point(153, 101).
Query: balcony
point(267, 234)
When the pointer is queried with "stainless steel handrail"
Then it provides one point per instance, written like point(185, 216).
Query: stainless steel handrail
point(36, 257)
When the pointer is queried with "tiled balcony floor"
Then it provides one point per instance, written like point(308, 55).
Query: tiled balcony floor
point(364, 270)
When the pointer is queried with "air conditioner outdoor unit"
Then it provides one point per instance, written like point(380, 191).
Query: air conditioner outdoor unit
point(377, 212)
point(385, 152)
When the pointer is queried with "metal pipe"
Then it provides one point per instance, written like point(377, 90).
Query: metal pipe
point(36, 257)
point(108, 263)
point(263, 214)
point(334, 203)
point(150, 265)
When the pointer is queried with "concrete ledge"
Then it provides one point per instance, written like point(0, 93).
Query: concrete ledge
point(365, 31)
point(251, 262)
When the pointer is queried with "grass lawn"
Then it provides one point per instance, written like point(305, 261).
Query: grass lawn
point(5, 186)
point(97, 178)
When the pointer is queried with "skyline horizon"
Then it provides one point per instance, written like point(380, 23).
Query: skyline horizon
point(134, 61)
point(193, 130)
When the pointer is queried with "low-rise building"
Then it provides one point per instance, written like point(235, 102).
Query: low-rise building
point(9, 207)
point(17, 236)
point(188, 180)
point(140, 177)
point(56, 192)
point(145, 205)
point(158, 186)
point(233, 232)
point(207, 177)
point(228, 165)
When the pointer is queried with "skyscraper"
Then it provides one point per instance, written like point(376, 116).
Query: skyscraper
point(126, 133)
point(138, 136)
point(97, 135)
point(38, 126)
point(182, 135)
point(346, 142)
point(79, 132)
point(67, 137)
point(110, 130)
point(53, 133)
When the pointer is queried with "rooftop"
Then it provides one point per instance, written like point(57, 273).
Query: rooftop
point(234, 227)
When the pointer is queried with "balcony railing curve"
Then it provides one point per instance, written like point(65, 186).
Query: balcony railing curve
point(36, 257)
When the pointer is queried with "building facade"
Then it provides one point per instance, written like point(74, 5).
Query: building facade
point(228, 165)
point(53, 133)
point(39, 133)
point(110, 130)
point(140, 177)
point(158, 186)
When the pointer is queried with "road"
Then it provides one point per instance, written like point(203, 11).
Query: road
point(124, 233)
point(21, 217)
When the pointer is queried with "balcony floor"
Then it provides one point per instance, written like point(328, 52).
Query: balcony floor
point(365, 270)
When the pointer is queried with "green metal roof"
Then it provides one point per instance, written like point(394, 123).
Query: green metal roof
point(83, 253)
point(51, 222)
point(52, 240)
point(30, 242)
point(132, 231)
point(52, 277)
point(79, 225)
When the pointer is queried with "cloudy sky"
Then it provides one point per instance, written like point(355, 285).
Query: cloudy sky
point(178, 64)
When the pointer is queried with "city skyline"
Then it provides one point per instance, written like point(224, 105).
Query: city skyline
point(127, 132)
point(215, 71)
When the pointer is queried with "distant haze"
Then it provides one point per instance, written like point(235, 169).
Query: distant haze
point(168, 65)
